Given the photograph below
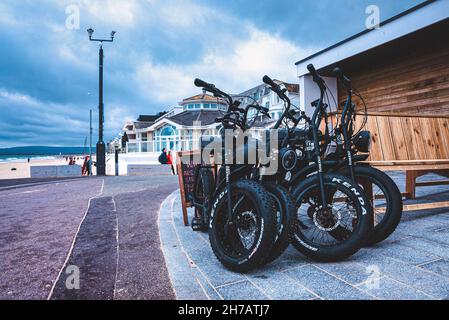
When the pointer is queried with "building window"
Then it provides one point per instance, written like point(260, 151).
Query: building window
point(207, 106)
point(267, 105)
point(255, 95)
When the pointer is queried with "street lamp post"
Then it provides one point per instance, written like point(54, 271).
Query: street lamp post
point(101, 147)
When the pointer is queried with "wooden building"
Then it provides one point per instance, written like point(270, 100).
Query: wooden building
point(402, 72)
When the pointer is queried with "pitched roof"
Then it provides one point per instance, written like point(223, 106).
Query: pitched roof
point(187, 118)
point(294, 88)
point(143, 124)
point(203, 97)
point(150, 118)
point(263, 87)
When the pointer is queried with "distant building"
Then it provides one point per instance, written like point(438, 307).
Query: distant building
point(174, 130)
point(267, 98)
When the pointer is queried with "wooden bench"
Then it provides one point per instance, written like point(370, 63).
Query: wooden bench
point(416, 144)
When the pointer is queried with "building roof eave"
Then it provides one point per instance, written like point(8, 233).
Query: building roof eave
point(407, 22)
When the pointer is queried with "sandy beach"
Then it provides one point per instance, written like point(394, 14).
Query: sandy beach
point(22, 168)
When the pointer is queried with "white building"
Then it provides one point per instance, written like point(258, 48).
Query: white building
point(267, 98)
point(174, 130)
point(177, 129)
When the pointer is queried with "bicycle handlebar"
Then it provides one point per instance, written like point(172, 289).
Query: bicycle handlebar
point(343, 79)
point(203, 84)
point(275, 87)
point(267, 80)
point(316, 77)
point(211, 88)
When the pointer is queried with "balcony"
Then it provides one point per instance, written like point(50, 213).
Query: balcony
point(158, 146)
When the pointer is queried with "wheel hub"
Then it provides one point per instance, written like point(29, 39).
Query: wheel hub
point(246, 227)
point(325, 219)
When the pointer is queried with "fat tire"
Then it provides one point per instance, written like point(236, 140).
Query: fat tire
point(288, 214)
point(357, 239)
point(264, 208)
point(393, 213)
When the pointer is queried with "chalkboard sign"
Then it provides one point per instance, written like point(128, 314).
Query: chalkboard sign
point(186, 173)
point(187, 164)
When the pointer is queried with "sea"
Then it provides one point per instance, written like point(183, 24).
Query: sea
point(22, 154)
point(24, 158)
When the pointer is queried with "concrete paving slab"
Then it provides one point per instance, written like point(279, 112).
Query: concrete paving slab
point(386, 288)
point(441, 267)
point(325, 285)
point(244, 290)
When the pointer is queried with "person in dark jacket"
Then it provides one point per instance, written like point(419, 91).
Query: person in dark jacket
point(163, 157)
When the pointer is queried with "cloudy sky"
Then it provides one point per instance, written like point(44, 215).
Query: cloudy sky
point(49, 69)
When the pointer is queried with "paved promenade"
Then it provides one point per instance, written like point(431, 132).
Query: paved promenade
point(126, 238)
point(412, 264)
point(107, 228)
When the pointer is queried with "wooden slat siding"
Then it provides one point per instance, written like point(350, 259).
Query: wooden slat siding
point(417, 83)
point(414, 148)
point(418, 142)
point(386, 139)
point(440, 142)
point(370, 84)
point(399, 141)
point(397, 71)
point(429, 138)
point(427, 83)
point(400, 67)
point(444, 133)
point(376, 149)
point(432, 95)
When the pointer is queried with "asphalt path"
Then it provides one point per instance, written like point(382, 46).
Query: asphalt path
point(94, 239)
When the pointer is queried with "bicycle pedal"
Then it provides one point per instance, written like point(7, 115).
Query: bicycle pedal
point(198, 224)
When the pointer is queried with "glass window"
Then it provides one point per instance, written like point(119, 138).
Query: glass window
point(197, 106)
point(207, 106)
point(267, 105)
point(166, 131)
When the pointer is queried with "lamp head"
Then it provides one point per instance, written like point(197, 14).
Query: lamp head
point(90, 31)
point(113, 34)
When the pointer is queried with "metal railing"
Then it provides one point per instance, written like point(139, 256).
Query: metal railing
point(158, 146)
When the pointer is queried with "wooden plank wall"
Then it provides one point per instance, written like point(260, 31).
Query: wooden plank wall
point(407, 137)
point(406, 89)
point(415, 84)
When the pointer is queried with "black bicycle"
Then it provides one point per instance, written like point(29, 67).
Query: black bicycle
point(385, 197)
point(240, 217)
point(334, 216)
